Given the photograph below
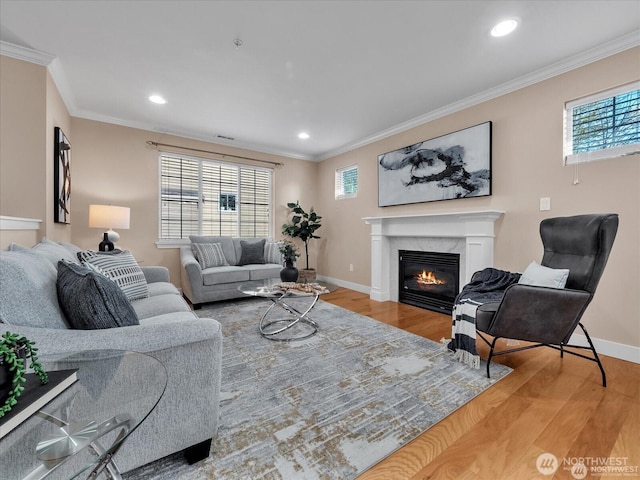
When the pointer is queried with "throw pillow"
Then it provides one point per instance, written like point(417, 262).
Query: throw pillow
point(541, 276)
point(252, 252)
point(272, 253)
point(53, 252)
point(209, 255)
point(121, 267)
point(90, 300)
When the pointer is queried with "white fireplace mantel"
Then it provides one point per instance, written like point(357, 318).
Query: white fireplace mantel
point(471, 234)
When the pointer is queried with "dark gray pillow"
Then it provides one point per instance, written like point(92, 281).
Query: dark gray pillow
point(252, 252)
point(90, 300)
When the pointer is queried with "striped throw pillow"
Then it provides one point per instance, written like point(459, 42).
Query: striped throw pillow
point(209, 254)
point(121, 267)
point(272, 253)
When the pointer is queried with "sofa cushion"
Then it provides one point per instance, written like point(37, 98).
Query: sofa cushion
point(261, 272)
point(230, 274)
point(272, 253)
point(209, 254)
point(54, 252)
point(225, 242)
point(251, 252)
point(162, 288)
point(91, 300)
point(122, 268)
point(159, 305)
point(28, 294)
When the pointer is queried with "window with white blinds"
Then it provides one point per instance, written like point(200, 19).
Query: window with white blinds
point(602, 126)
point(205, 197)
point(347, 182)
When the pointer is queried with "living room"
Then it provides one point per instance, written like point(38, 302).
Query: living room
point(113, 164)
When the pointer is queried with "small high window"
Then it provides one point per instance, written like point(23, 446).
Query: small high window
point(602, 126)
point(347, 182)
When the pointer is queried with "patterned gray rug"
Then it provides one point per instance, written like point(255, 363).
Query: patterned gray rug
point(328, 407)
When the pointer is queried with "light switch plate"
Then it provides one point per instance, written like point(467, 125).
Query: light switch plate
point(545, 204)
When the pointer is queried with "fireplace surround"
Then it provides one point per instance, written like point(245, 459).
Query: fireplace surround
point(469, 234)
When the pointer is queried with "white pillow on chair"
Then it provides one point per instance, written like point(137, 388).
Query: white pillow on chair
point(541, 276)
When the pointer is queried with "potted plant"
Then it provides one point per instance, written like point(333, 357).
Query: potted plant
point(14, 351)
point(303, 225)
point(289, 254)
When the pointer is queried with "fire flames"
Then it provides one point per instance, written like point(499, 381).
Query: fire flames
point(428, 278)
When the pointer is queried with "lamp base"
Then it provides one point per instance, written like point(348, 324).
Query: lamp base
point(106, 245)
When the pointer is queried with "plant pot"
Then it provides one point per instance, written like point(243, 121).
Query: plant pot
point(307, 275)
point(289, 273)
point(6, 381)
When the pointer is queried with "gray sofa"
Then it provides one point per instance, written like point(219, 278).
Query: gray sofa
point(201, 284)
point(190, 348)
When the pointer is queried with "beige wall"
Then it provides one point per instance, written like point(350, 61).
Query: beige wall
point(22, 138)
point(527, 165)
point(30, 109)
point(114, 165)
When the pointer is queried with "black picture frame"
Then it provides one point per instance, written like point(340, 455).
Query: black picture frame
point(62, 177)
point(452, 166)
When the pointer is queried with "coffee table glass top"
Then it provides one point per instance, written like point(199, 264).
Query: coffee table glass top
point(275, 287)
point(115, 392)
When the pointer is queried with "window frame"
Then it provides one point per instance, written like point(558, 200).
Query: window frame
point(178, 242)
point(570, 158)
point(339, 184)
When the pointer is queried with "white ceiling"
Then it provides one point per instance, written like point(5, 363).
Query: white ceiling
point(346, 72)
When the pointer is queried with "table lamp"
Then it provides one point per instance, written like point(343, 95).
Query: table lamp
point(108, 216)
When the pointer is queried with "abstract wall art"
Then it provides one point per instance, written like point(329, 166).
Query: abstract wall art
point(62, 177)
point(456, 165)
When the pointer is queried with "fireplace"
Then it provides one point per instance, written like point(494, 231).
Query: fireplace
point(429, 279)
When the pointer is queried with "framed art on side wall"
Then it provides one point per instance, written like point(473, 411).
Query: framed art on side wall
point(62, 177)
point(456, 165)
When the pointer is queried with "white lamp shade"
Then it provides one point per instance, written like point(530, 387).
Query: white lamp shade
point(109, 216)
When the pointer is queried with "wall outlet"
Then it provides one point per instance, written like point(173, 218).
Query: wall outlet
point(351, 267)
point(545, 204)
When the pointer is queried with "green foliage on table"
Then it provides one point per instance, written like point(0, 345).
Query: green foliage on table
point(303, 225)
point(13, 352)
point(289, 251)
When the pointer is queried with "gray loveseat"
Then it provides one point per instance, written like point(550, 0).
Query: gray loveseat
point(218, 279)
point(190, 348)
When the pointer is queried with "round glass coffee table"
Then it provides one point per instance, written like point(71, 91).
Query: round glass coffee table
point(297, 299)
point(77, 433)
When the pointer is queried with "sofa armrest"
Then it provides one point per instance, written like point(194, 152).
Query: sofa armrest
point(156, 274)
point(191, 352)
point(192, 280)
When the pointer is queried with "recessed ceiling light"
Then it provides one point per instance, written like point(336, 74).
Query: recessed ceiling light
point(303, 135)
point(504, 28)
point(157, 99)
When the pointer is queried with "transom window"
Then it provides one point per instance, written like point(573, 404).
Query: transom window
point(347, 182)
point(603, 126)
point(205, 197)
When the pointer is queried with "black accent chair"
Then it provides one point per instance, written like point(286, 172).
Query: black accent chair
point(548, 316)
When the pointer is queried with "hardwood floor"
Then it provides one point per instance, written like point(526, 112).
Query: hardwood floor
point(547, 404)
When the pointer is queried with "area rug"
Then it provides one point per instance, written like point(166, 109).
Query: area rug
point(328, 407)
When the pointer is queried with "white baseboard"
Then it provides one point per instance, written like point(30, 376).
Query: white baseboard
point(350, 285)
point(609, 348)
point(621, 351)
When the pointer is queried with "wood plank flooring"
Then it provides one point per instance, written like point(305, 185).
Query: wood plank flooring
point(547, 405)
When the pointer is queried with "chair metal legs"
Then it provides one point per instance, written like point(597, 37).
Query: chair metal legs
point(561, 347)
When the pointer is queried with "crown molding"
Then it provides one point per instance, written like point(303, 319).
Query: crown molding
point(624, 43)
point(611, 48)
point(27, 54)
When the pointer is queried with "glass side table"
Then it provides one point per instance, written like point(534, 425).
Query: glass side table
point(77, 434)
point(297, 325)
